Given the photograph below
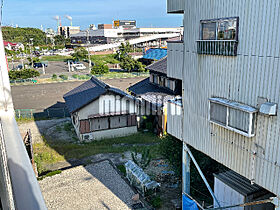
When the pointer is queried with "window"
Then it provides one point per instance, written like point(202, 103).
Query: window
point(234, 116)
point(218, 36)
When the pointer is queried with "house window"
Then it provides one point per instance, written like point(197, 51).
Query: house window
point(218, 37)
point(234, 116)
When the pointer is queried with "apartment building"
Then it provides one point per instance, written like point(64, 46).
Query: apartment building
point(229, 65)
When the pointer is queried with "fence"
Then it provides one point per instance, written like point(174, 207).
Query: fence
point(46, 113)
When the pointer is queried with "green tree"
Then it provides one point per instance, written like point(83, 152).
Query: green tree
point(80, 54)
point(99, 68)
point(23, 74)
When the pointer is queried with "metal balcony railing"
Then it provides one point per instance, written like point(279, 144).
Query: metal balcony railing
point(217, 47)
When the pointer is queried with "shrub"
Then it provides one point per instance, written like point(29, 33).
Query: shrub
point(23, 74)
point(54, 76)
point(63, 77)
point(156, 201)
point(122, 169)
point(99, 68)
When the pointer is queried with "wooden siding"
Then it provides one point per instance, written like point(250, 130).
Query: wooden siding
point(175, 6)
point(253, 73)
point(174, 120)
point(175, 59)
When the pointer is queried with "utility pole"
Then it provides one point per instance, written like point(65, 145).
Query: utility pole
point(31, 56)
point(88, 43)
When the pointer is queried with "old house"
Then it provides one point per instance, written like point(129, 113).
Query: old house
point(100, 111)
point(229, 66)
point(156, 90)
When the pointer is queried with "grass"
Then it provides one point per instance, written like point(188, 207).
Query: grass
point(52, 173)
point(50, 152)
point(106, 59)
point(55, 58)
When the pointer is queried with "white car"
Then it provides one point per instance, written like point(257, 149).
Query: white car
point(78, 66)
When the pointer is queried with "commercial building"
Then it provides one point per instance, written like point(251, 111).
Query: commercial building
point(105, 34)
point(67, 31)
point(229, 65)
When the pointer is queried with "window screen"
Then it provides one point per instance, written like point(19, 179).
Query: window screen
point(238, 120)
point(218, 113)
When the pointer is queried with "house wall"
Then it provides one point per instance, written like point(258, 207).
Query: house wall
point(253, 73)
point(105, 104)
point(111, 133)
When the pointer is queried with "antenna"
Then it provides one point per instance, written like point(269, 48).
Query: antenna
point(69, 18)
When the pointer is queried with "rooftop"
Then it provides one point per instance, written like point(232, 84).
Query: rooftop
point(155, 53)
point(88, 92)
point(159, 66)
point(151, 92)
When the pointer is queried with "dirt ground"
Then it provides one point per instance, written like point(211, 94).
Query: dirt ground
point(42, 96)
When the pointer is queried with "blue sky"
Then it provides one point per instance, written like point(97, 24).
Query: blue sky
point(34, 13)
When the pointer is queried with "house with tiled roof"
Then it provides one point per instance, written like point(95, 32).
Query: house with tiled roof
point(156, 90)
point(100, 111)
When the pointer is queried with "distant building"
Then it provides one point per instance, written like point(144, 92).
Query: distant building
point(92, 27)
point(67, 31)
point(50, 33)
point(106, 35)
point(125, 24)
point(105, 26)
point(13, 46)
point(99, 111)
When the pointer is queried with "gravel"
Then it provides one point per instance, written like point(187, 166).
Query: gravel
point(95, 186)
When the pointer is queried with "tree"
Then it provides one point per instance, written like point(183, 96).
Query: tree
point(80, 54)
point(23, 74)
point(99, 68)
point(59, 40)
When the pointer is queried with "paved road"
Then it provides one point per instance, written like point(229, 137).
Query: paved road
point(41, 96)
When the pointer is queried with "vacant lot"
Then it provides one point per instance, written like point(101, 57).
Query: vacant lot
point(41, 96)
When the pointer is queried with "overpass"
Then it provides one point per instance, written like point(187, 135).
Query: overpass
point(138, 40)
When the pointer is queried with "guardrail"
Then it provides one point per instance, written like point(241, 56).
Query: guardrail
point(217, 47)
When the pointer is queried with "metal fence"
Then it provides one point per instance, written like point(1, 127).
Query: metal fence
point(46, 113)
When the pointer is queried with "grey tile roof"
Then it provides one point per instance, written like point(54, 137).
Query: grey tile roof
point(88, 92)
point(159, 66)
point(151, 92)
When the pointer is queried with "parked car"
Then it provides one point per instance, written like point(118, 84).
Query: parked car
point(39, 65)
point(78, 66)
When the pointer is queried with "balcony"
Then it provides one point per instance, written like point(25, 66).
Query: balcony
point(175, 118)
point(175, 6)
point(175, 59)
point(217, 47)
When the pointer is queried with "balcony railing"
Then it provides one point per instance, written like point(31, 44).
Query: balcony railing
point(175, 6)
point(217, 47)
point(175, 118)
point(175, 59)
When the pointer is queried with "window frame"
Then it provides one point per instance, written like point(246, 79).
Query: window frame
point(216, 20)
point(238, 106)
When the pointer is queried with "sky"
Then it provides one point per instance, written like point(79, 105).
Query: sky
point(34, 13)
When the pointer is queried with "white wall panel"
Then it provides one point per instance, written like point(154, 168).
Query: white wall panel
point(253, 73)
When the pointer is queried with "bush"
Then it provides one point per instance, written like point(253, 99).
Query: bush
point(156, 201)
point(54, 76)
point(122, 169)
point(23, 74)
point(99, 68)
point(171, 149)
point(63, 77)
